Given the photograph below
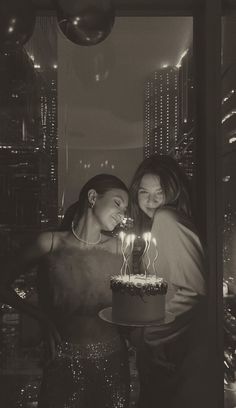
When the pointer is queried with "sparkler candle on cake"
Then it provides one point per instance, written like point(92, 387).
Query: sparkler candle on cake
point(147, 239)
point(138, 298)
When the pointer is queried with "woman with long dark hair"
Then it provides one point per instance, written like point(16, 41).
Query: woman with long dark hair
point(160, 203)
point(172, 184)
point(88, 365)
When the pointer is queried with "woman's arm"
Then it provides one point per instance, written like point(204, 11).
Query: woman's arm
point(22, 264)
point(181, 263)
point(180, 260)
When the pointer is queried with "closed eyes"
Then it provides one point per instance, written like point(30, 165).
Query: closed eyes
point(119, 203)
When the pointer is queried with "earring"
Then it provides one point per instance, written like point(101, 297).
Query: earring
point(91, 203)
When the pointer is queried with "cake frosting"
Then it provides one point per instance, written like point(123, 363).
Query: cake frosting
point(138, 298)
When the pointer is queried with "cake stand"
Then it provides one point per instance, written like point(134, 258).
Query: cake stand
point(106, 315)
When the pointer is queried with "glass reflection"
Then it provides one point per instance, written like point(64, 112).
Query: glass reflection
point(229, 207)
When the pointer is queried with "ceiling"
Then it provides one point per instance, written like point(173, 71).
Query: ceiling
point(168, 7)
point(141, 7)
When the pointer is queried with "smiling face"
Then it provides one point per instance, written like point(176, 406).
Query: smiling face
point(150, 194)
point(110, 208)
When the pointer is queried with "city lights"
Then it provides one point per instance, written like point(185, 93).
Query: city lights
point(232, 139)
point(168, 126)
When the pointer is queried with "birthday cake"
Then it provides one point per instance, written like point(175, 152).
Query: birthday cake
point(138, 298)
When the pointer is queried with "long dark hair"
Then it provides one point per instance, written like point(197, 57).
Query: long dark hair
point(101, 184)
point(174, 183)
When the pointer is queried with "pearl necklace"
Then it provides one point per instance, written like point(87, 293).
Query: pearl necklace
point(83, 240)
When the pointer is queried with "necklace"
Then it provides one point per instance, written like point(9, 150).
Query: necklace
point(83, 240)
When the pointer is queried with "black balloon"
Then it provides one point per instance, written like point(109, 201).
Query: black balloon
point(17, 21)
point(85, 22)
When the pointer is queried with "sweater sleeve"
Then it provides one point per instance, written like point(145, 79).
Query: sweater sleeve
point(180, 260)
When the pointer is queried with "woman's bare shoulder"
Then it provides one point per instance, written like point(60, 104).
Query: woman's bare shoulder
point(50, 239)
point(43, 242)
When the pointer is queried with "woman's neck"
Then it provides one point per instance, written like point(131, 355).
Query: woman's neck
point(87, 230)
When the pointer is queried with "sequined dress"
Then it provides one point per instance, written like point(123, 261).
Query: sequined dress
point(91, 364)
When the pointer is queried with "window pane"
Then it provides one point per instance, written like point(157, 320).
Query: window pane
point(229, 204)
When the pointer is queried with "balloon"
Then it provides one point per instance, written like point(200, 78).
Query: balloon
point(85, 22)
point(17, 21)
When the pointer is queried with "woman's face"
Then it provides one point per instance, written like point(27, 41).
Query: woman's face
point(109, 209)
point(150, 194)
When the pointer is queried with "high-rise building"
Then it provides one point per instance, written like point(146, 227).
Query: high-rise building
point(42, 49)
point(48, 109)
point(161, 111)
point(169, 113)
point(23, 179)
point(19, 113)
point(185, 149)
point(28, 135)
point(21, 169)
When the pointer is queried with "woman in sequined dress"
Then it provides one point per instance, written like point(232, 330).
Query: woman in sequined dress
point(88, 365)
